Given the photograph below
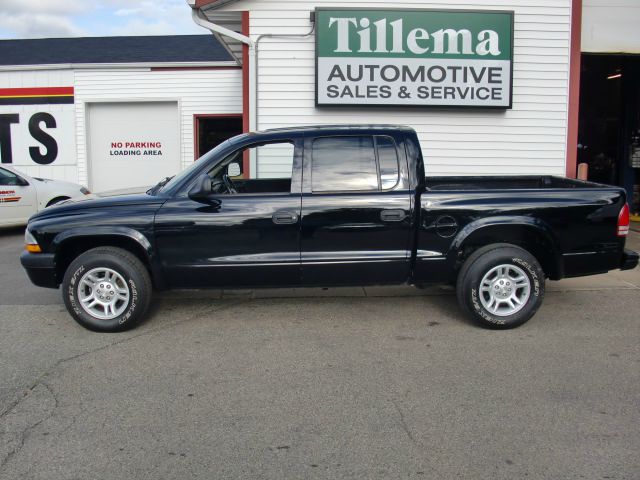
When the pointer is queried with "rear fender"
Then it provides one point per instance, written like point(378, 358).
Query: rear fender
point(511, 229)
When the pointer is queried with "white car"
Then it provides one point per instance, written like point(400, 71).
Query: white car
point(21, 195)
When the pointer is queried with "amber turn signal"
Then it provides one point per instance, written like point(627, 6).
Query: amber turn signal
point(31, 248)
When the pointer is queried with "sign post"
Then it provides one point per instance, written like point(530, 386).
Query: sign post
point(427, 58)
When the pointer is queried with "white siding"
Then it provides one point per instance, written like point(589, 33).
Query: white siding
point(528, 139)
point(611, 26)
point(197, 92)
point(36, 78)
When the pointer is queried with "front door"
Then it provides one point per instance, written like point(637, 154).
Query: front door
point(356, 207)
point(250, 235)
point(17, 199)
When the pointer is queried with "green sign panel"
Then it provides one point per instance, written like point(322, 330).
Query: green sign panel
point(444, 58)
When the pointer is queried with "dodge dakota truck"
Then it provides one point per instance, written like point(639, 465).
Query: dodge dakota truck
point(327, 206)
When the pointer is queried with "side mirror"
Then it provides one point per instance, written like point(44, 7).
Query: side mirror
point(233, 169)
point(202, 190)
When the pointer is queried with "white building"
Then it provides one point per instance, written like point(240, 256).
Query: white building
point(529, 138)
point(272, 63)
point(286, 44)
point(115, 112)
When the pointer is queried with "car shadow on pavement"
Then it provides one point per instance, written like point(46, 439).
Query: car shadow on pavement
point(432, 310)
point(11, 231)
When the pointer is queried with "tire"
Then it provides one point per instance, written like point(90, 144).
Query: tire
point(513, 287)
point(107, 289)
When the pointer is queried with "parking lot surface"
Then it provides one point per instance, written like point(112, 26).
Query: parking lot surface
point(344, 383)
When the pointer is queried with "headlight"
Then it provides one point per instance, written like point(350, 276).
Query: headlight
point(85, 191)
point(30, 243)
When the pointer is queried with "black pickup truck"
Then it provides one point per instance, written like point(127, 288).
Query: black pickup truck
point(337, 205)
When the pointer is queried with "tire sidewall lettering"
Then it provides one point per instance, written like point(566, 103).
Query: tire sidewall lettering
point(532, 274)
point(72, 289)
point(132, 303)
point(475, 293)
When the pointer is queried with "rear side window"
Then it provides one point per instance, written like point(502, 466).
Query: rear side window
point(343, 164)
point(364, 163)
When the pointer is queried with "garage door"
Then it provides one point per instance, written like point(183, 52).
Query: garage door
point(132, 144)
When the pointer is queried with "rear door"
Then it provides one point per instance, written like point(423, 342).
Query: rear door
point(356, 206)
point(17, 200)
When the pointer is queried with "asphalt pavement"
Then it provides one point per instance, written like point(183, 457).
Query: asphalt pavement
point(328, 384)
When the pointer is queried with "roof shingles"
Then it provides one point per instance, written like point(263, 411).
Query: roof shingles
point(138, 49)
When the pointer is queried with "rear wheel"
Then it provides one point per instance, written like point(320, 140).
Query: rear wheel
point(107, 289)
point(501, 286)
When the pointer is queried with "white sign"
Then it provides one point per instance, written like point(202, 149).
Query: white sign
point(33, 135)
point(442, 58)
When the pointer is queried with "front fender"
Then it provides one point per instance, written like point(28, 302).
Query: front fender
point(47, 192)
point(103, 231)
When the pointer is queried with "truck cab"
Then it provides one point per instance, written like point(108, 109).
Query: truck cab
point(338, 207)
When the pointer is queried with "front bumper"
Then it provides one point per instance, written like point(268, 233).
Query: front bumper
point(41, 269)
point(629, 260)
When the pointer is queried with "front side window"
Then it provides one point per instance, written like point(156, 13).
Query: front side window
point(265, 168)
point(343, 164)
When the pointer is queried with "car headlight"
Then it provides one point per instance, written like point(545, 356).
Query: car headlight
point(85, 191)
point(30, 243)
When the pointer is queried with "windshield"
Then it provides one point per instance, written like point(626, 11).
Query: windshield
point(193, 167)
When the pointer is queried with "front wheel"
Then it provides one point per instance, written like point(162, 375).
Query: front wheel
point(501, 286)
point(107, 289)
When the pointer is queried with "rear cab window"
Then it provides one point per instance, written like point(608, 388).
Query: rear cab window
point(359, 163)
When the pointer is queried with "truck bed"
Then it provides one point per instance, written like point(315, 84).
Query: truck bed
point(506, 183)
point(572, 218)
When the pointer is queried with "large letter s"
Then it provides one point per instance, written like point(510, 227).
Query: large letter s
point(43, 137)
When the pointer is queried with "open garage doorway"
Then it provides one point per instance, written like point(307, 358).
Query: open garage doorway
point(609, 125)
point(212, 130)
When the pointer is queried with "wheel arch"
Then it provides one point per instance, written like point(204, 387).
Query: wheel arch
point(528, 233)
point(56, 199)
point(71, 243)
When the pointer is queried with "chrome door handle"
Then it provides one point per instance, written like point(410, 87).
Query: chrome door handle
point(285, 217)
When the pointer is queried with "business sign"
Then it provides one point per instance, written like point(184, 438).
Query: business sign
point(439, 58)
point(37, 126)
